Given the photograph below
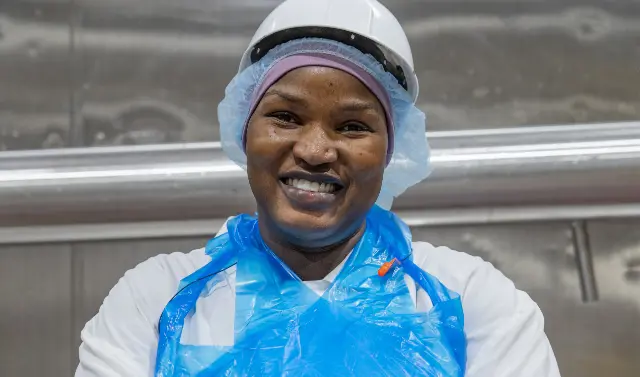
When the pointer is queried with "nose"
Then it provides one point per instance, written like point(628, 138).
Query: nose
point(314, 146)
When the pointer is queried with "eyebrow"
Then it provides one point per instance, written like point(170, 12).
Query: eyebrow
point(352, 105)
point(357, 105)
point(289, 97)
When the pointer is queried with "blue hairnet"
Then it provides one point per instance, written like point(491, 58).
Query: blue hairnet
point(410, 160)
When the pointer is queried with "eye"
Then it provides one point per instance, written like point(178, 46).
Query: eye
point(355, 127)
point(284, 117)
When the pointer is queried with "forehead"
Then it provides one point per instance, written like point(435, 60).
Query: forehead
point(324, 82)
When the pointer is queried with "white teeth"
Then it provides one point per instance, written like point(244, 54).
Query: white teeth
point(303, 184)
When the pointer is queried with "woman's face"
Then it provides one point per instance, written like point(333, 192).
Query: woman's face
point(316, 151)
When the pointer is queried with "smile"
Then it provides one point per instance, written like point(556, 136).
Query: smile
point(303, 184)
point(311, 191)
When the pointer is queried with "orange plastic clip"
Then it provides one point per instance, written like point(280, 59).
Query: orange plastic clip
point(386, 267)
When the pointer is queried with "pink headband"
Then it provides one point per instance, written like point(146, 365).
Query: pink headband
point(290, 63)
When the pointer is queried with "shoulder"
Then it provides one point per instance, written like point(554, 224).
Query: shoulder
point(503, 325)
point(485, 291)
point(121, 338)
point(146, 288)
point(454, 269)
point(152, 283)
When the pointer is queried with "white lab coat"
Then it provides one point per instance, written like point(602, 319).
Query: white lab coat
point(504, 327)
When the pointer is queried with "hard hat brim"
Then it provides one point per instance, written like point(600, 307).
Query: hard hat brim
point(391, 62)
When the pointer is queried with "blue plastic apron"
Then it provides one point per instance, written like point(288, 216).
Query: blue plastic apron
point(363, 325)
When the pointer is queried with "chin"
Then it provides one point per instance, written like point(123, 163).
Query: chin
point(310, 226)
point(306, 225)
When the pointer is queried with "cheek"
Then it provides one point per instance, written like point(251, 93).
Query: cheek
point(263, 137)
point(369, 161)
point(261, 168)
point(260, 144)
point(266, 152)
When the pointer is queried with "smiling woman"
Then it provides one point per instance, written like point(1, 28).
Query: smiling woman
point(316, 148)
point(325, 281)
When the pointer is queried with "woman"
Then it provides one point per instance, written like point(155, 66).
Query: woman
point(324, 282)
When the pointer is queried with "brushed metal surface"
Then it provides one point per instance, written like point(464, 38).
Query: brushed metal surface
point(64, 233)
point(590, 340)
point(614, 322)
point(35, 85)
point(180, 182)
point(99, 265)
point(140, 71)
point(35, 311)
point(481, 63)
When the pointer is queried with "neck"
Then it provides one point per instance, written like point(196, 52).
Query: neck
point(309, 263)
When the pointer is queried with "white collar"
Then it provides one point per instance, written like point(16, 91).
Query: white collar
point(331, 276)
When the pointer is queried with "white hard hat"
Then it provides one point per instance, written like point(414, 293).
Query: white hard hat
point(364, 24)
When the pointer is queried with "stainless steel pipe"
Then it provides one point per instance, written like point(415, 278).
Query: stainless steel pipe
point(539, 166)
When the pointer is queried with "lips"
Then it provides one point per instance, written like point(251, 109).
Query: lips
point(311, 191)
point(303, 184)
point(307, 181)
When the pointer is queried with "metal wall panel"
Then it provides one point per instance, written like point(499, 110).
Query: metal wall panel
point(35, 313)
point(34, 74)
point(497, 63)
point(481, 63)
point(99, 265)
point(149, 71)
point(590, 339)
point(615, 320)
